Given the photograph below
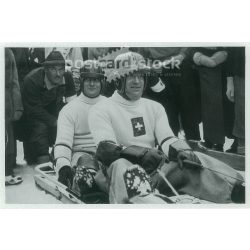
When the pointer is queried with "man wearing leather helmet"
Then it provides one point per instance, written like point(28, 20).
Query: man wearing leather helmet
point(128, 128)
point(130, 120)
point(74, 143)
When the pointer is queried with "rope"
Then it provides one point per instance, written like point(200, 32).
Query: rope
point(168, 183)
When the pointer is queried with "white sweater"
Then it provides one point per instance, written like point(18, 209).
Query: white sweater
point(140, 123)
point(73, 133)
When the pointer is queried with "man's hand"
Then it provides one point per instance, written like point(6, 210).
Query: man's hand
point(197, 58)
point(210, 62)
point(148, 158)
point(107, 152)
point(17, 115)
point(230, 89)
point(179, 58)
point(181, 152)
point(152, 160)
point(188, 157)
point(66, 176)
point(202, 60)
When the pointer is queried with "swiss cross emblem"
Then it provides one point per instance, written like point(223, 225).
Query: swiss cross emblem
point(138, 126)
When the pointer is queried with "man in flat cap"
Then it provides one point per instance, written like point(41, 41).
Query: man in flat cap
point(45, 92)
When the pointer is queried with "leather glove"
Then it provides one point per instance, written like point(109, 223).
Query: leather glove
point(66, 176)
point(188, 158)
point(181, 152)
point(152, 160)
point(148, 158)
point(108, 152)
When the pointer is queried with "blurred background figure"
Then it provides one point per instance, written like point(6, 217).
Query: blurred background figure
point(13, 112)
point(95, 52)
point(210, 63)
point(180, 93)
point(74, 140)
point(73, 62)
point(26, 59)
point(236, 93)
point(46, 90)
point(72, 55)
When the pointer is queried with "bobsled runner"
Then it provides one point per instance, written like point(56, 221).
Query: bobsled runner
point(45, 179)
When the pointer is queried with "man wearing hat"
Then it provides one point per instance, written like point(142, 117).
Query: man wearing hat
point(127, 119)
point(74, 142)
point(127, 128)
point(45, 92)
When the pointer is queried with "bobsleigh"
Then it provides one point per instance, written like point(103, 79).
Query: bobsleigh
point(46, 179)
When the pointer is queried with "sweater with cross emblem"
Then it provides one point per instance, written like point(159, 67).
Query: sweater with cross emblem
point(142, 123)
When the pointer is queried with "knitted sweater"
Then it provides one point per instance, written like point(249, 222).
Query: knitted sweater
point(143, 122)
point(73, 133)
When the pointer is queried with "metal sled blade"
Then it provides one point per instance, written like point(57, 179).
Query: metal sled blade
point(45, 178)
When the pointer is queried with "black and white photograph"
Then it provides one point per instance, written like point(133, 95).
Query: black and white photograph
point(140, 125)
point(124, 125)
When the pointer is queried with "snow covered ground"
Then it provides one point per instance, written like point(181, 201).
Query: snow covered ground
point(26, 192)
